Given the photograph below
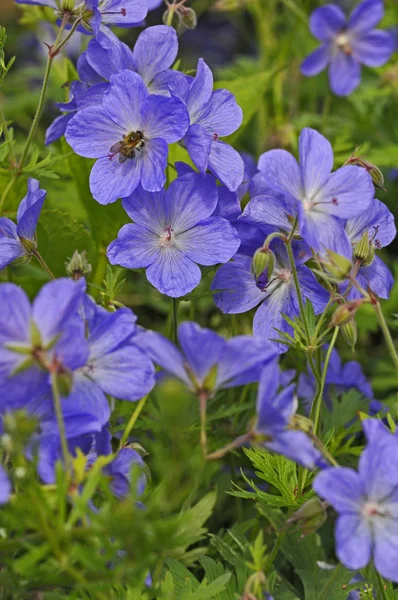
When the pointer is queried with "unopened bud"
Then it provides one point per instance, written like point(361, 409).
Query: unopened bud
point(65, 382)
point(188, 19)
point(364, 250)
point(302, 423)
point(350, 334)
point(337, 265)
point(78, 266)
point(262, 260)
point(310, 517)
point(171, 17)
point(345, 313)
point(374, 172)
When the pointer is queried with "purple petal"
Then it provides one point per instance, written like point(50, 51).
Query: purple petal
point(147, 209)
point(386, 547)
point(123, 13)
point(226, 164)
point(282, 172)
point(353, 541)
point(365, 16)
point(316, 62)
point(349, 191)
point(15, 314)
point(239, 290)
point(201, 347)
point(374, 49)
point(87, 398)
point(10, 250)
point(221, 115)
point(210, 242)
point(29, 210)
point(269, 210)
point(344, 74)
point(109, 331)
point(189, 200)
point(56, 302)
point(57, 128)
point(312, 290)
point(173, 274)
point(85, 71)
point(94, 95)
point(165, 354)
point(325, 232)
point(155, 51)
point(341, 487)
point(326, 22)
point(242, 361)
point(5, 486)
point(153, 159)
point(198, 143)
point(228, 205)
point(91, 133)
point(297, 446)
point(200, 91)
point(377, 276)
point(316, 161)
point(124, 99)
point(134, 248)
point(377, 220)
point(165, 118)
point(268, 317)
point(110, 180)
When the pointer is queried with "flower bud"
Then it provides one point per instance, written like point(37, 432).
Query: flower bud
point(188, 19)
point(65, 382)
point(364, 250)
point(261, 260)
point(345, 313)
point(374, 172)
point(29, 245)
point(350, 334)
point(171, 17)
point(310, 517)
point(78, 266)
point(338, 266)
point(302, 423)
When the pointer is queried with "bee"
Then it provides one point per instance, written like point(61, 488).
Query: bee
point(127, 147)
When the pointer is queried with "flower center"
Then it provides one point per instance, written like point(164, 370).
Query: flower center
point(130, 144)
point(343, 43)
point(371, 509)
point(285, 275)
point(166, 237)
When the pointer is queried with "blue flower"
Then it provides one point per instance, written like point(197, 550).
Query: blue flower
point(238, 291)
point(378, 227)
point(5, 486)
point(212, 115)
point(97, 15)
point(129, 135)
point(81, 96)
point(207, 362)
point(17, 242)
point(120, 471)
point(173, 232)
point(346, 45)
point(367, 505)
point(35, 338)
point(322, 198)
point(275, 411)
point(154, 52)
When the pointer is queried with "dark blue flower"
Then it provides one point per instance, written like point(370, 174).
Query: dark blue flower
point(173, 232)
point(5, 486)
point(207, 362)
point(239, 291)
point(18, 241)
point(212, 115)
point(346, 45)
point(129, 135)
point(120, 471)
point(367, 505)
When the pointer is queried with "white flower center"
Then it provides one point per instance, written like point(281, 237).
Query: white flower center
point(371, 510)
point(166, 238)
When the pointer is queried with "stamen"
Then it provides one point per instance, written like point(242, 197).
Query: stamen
point(122, 12)
point(216, 137)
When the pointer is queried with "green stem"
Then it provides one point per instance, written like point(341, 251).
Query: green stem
point(6, 132)
point(298, 289)
point(278, 542)
point(381, 584)
point(203, 410)
point(237, 443)
point(5, 193)
point(60, 418)
point(323, 449)
point(322, 319)
point(317, 403)
point(174, 320)
point(43, 263)
point(386, 332)
point(132, 421)
point(52, 52)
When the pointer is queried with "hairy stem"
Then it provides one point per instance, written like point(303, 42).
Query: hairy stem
point(237, 443)
point(43, 263)
point(202, 409)
point(174, 320)
point(386, 332)
point(60, 418)
point(317, 403)
point(132, 421)
point(297, 285)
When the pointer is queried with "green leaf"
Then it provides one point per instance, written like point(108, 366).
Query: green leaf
point(249, 93)
point(325, 584)
point(59, 235)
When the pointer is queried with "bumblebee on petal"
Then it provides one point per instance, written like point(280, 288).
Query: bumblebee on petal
point(132, 142)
